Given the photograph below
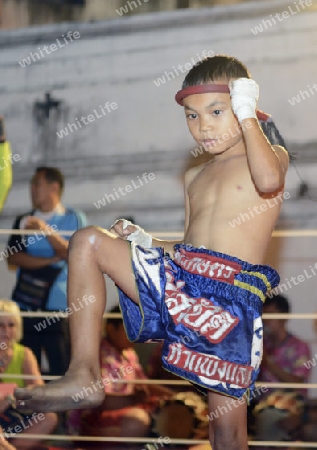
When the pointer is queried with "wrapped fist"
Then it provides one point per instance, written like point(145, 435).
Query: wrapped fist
point(244, 97)
point(138, 235)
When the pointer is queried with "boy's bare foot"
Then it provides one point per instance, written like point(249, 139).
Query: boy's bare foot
point(70, 392)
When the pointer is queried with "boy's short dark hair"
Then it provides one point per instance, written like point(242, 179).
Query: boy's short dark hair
point(52, 175)
point(115, 321)
point(214, 68)
point(280, 302)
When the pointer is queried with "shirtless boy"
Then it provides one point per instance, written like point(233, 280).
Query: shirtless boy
point(203, 289)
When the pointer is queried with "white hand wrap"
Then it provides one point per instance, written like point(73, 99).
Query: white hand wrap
point(244, 97)
point(139, 236)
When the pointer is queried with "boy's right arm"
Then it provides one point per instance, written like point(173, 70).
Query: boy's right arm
point(134, 233)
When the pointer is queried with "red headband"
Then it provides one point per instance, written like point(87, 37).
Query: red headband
point(205, 88)
point(200, 89)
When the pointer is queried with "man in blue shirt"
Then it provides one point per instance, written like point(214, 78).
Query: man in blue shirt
point(42, 267)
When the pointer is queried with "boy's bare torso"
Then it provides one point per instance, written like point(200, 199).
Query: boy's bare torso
point(218, 192)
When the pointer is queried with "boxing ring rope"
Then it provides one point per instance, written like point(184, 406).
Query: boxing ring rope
point(107, 315)
point(164, 234)
point(166, 382)
point(150, 440)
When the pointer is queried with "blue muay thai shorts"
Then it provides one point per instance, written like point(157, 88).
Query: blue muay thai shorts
point(206, 307)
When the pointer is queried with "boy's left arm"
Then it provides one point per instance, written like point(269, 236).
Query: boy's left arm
point(268, 163)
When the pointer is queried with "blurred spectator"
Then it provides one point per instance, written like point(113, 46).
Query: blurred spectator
point(42, 267)
point(279, 412)
point(5, 166)
point(309, 429)
point(184, 416)
point(126, 408)
point(15, 359)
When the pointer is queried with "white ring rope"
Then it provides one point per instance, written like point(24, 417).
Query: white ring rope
point(149, 440)
point(159, 234)
point(118, 315)
point(162, 382)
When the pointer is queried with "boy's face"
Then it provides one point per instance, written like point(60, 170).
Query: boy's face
point(211, 121)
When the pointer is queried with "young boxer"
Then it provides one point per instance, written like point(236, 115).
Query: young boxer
point(210, 286)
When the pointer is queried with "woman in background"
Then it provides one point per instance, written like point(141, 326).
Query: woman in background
point(15, 359)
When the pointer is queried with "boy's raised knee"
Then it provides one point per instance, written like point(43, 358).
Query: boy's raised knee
point(88, 236)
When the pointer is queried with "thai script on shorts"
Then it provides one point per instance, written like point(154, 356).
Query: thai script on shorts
point(198, 314)
point(207, 266)
point(207, 366)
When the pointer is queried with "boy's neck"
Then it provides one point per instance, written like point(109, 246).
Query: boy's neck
point(233, 152)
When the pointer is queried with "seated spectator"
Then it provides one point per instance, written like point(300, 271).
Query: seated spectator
point(184, 416)
point(126, 409)
point(309, 429)
point(279, 412)
point(15, 359)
